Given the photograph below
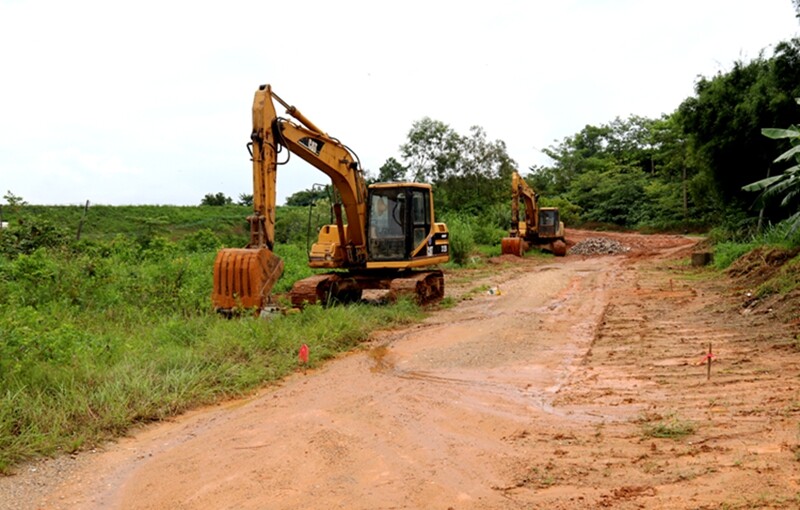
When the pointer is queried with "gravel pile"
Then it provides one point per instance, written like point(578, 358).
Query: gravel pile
point(598, 246)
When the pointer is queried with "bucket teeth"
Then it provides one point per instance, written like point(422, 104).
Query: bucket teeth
point(244, 277)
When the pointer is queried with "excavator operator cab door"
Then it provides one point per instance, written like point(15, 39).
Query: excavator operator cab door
point(548, 222)
point(399, 220)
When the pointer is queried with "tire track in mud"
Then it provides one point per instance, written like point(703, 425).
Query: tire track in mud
point(645, 377)
point(418, 423)
point(510, 349)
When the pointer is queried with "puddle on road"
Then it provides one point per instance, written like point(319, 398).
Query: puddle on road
point(520, 396)
point(379, 356)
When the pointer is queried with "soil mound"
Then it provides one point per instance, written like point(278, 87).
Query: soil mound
point(761, 264)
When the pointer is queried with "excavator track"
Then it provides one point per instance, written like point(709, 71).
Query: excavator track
point(424, 287)
point(325, 289)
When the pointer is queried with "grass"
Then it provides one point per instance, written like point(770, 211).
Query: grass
point(488, 251)
point(107, 379)
point(100, 335)
point(727, 253)
point(776, 236)
point(784, 281)
point(669, 428)
point(117, 329)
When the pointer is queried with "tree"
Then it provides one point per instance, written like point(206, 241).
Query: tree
point(216, 200)
point(13, 200)
point(628, 172)
point(245, 199)
point(432, 150)
point(722, 121)
point(469, 173)
point(614, 196)
point(307, 197)
point(577, 154)
point(14, 203)
point(392, 171)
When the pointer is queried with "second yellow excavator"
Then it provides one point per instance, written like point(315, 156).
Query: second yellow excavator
point(541, 227)
point(381, 237)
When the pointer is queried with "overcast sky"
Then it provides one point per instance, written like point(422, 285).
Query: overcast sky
point(149, 102)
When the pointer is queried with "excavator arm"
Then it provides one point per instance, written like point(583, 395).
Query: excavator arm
point(245, 277)
point(307, 141)
point(520, 191)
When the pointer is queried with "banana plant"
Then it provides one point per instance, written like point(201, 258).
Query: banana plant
point(786, 184)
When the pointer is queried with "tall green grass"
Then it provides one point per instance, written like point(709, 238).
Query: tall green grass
point(100, 335)
point(727, 250)
point(69, 386)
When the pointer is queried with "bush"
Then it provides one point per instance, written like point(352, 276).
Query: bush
point(29, 234)
point(727, 253)
point(202, 240)
point(462, 238)
point(488, 234)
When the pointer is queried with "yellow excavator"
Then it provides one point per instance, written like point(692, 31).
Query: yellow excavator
point(542, 226)
point(382, 234)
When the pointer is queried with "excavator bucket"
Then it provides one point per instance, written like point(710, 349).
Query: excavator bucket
point(244, 277)
point(513, 246)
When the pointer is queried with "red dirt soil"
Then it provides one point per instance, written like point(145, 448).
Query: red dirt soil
point(551, 390)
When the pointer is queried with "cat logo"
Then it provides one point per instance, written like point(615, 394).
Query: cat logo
point(311, 144)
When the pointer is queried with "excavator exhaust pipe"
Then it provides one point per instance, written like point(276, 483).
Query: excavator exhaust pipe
point(244, 277)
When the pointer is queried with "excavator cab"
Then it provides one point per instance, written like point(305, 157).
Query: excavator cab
point(549, 223)
point(401, 223)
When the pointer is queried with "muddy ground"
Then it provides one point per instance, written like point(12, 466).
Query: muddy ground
point(557, 383)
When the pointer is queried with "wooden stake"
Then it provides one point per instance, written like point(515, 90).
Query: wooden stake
point(83, 218)
point(708, 362)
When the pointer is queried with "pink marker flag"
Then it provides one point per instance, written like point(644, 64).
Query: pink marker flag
point(303, 354)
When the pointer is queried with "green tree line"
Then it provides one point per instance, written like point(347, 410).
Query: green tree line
point(683, 171)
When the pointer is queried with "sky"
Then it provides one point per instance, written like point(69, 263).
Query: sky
point(149, 102)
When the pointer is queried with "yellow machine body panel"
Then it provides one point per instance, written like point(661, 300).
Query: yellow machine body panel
point(388, 227)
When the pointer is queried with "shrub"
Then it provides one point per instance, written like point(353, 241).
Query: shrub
point(462, 238)
point(726, 253)
point(202, 240)
point(29, 234)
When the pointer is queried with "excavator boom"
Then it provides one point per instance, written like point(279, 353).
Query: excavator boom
point(244, 277)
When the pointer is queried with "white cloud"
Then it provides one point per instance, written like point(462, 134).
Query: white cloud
point(149, 102)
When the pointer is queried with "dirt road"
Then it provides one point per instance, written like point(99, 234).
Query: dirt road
point(550, 390)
